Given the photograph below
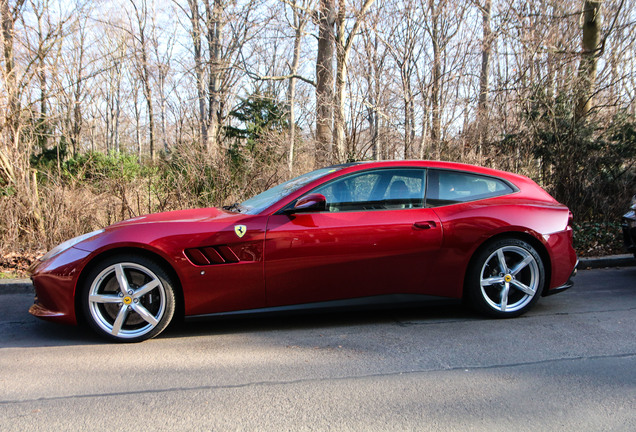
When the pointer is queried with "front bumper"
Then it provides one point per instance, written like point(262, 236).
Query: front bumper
point(55, 281)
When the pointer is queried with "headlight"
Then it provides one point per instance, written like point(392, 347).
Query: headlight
point(68, 244)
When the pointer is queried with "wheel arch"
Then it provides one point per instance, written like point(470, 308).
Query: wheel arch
point(180, 305)
point(518, 235)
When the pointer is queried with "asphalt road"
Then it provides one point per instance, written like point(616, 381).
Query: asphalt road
point(570, 364)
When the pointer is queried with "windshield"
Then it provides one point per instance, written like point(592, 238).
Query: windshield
point(263, 200)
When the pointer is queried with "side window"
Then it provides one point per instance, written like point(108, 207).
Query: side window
point(376, 190)
point(405, 190)
point(450, 187)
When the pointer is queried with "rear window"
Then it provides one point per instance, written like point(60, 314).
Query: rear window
point(451, 187)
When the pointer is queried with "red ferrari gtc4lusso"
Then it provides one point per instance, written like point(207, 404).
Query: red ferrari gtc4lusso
point(352, 232)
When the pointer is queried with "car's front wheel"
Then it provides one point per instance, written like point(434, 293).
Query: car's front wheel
point(505, 278)
point(128, 298)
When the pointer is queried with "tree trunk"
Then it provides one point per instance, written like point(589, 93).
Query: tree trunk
point(76, 127)
point(486, 48)
point(299, 25)
point(198, 71)
point(436, 126)
point(409, 109)
point(42, 129)
point(340, 150)
point(8, 16)
point(117, 106)
point(137, 122)
point(215, 26)
point(324, 82)
point(148, 94)
point(151, 116)
point(589, 56)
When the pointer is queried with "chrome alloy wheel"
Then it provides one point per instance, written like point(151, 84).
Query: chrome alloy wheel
point(127, 300)
point(509, 278)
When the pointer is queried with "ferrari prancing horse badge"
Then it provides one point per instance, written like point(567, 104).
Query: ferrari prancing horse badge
point(240, 230)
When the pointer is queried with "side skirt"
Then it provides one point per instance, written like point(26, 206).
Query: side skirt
point(358, 304)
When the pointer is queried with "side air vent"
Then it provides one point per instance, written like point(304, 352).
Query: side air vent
point(211, 255)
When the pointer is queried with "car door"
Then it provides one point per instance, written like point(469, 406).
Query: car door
point(375, 238)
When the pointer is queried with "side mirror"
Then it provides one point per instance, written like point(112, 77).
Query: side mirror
point(314, 202)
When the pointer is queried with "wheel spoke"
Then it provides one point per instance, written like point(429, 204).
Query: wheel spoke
point(492, 281)
point(121, 279)
point(525, 288)
point(143, 312)
point(504, 297)
point(119, 321)
point(502, 261)
point(146, 288)
point(104, 298)
point(527, 260)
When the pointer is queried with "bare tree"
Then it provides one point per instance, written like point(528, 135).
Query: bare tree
point(373, 69)
point(197, 34)
point(344, 43)
point(163, 69)
point(78, 86)
point(143, 67)
point(404, 43)
point(300, 11)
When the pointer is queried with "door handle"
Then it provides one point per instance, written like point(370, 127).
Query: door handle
point(424, 225)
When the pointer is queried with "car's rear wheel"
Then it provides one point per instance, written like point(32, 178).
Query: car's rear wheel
point(505, 278)
point(128, 298)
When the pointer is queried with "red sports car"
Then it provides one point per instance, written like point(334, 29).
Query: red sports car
point(338, 234)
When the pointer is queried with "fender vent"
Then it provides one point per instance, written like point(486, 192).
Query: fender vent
point(211, 255)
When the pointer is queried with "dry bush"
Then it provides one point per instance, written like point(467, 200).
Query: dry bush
point(64, 211)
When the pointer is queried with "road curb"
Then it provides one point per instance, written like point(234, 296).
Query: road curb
point(607, 261)
point(19, 286)
point(15, 286)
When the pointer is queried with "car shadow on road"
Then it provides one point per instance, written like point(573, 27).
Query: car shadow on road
point(400, 315)
point(31, 332)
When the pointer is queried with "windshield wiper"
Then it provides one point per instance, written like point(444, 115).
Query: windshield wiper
point(233, 207)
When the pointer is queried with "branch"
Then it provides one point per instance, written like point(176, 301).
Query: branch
point(601, 48)
point(258, 77)
point(356, 25)
point(279, 77)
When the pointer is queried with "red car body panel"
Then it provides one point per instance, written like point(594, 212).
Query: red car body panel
point(287, 259)
point(329, 256)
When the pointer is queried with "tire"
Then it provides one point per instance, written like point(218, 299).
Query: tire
point(128, 298)
point(505, 278)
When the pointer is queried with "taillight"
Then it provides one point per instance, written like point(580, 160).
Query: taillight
point(570, 218)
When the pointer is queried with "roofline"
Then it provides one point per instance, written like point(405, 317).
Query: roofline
point(435, 164)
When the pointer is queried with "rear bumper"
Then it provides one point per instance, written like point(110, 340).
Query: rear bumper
point(563, 261)
point(566, 285)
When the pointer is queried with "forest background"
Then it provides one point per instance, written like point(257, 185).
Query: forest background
point(112, 109)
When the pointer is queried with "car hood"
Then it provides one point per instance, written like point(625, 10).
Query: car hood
point(181, 226)
point(191, 215)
